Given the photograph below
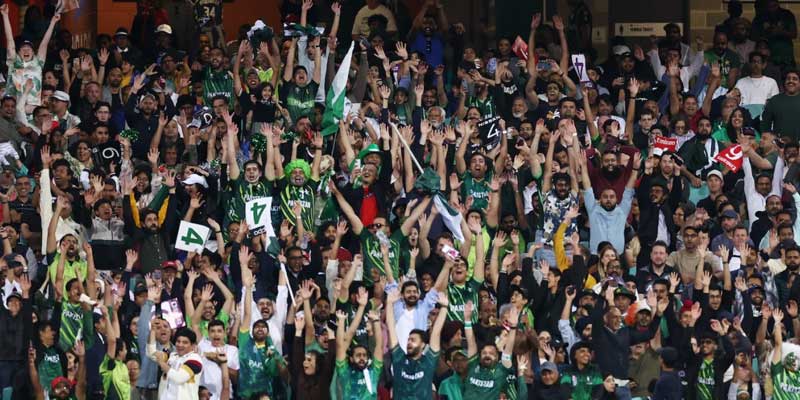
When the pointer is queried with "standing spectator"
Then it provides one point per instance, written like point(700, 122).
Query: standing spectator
point(778, 113)
point(756, 89)
point(778, 26)
point(361, 25)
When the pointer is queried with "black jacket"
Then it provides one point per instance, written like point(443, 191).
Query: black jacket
point(617, 344)
point(15, 332)
point(649, 215)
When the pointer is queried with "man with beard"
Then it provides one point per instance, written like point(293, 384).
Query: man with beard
point(780, 113)
point(427, 30)
point(475, 181)
point(357, 378)
point(685, 260)
point(259, 360)
point(729, 62)
point(460, 290)
point(217, 80)
point(708, 362)
point(784, 371)
point(655, 211)
point(152, 237)
point(560, 189)
point(759, 189)
point(698, 156)
point(610, 174)
point(141, 115)
point(60, 388)
point(68, 243)
point(606, 219)
point(485, 378)
point(76, 318)
point(156, 334)
point(452, 388)
point(582, 375)
point(766, 225)
point(298, 93)
point(615, 338)
point(411, 314)
point(249, 185)
point(788, 281)
point(752, 302)
point(299, 185)
point(413, 369)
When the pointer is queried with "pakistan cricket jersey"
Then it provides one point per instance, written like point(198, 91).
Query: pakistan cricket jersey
point(357, 384)
point(477, 188)
point(373, 258)
point(484, 383)
point(413, 379)
point(459, 295)
point(705, 380)
point(258, 364)
point(75, 319)
point(242, 192)
point(306, 195)
point(785, 383)
point(50, 366)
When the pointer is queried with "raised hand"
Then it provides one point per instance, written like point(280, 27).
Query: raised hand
point(536, 20)
point(363, 296)
point(558, 23)
point(468, 308)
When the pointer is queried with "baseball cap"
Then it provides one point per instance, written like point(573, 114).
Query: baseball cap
point(195, 179)
point(620, 49)
point(14, 294)
point(729, 214)
point(549, 366)
point(169, 264)
point(58, 381)
point(164, 28)
point(714, 172)
point(195, 123)
point(121, 32)
point(668, 354)
point(61, 95)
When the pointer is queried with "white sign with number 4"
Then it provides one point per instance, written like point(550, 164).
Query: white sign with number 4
point(192, 237)
point(258, 214)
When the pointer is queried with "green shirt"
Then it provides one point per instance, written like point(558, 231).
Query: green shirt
point(727, 61)
point(75, 319)
point(413, 379)
point(582, 381)
point(241, 192)
point(785, 383)
point(353, 383)
point(222, 316)
point(705, 380)
point(306, 195)
point(477, 188)
point(50, 366)
point(373, 258)
point(116, 381)
point(72, 269)
point(258, 364)
point(459, 295)
point(485, 383)
point(452, 388)
point(300, 99)
point(217, 84)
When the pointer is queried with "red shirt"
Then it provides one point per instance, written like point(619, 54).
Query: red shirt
point(369, 207)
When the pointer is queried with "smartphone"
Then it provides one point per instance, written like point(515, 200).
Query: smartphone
point(450, 252)
point(570, 290)
point(543, 65)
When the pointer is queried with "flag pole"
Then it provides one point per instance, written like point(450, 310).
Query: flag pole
point(408, 148)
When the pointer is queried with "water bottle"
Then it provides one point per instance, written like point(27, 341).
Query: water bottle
point(382, 238)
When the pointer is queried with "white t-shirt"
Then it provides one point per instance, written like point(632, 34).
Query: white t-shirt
point(212, 374)
point(757, 90)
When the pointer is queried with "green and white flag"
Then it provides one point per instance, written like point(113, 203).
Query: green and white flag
point(450, 216)
point(336, 99)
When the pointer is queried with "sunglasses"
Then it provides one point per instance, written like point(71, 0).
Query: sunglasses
point(375, 226)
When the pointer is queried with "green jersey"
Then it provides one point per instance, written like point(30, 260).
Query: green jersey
point(75, 319)
point(222, 316)
point(373, 258)
point(785, 383)
point(705, 380)
point(258, 364)
point(459, 295)
point(727, 61)
point(217, 84)
point(358, 384)
point(485, 383)
point(306, 195)
point(72, 269)
point(451, 388)
point(299, 99)
point(477, 188)
point(413, 379)
point(361, 337)
point(116, 381)
point(241, 192)
point(581, 381)
point(50, 366)
point(486, 106)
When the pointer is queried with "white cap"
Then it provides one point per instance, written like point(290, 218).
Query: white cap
point(195, 179)
point(641, 305)
point(716, 173)
point(61, 95)
point(164, 28)
point(620, 49)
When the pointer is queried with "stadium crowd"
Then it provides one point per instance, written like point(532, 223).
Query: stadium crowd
point(361, 204)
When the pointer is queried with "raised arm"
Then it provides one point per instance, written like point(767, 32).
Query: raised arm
point(354, 219)
point(42, 52)
point(472, 344)
point(558, 23)
point(289, 68)
point(508, 351)
point(10, 48)
point(375, 319)
point(438, 324)
point(777, 354)
point(247, 282)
